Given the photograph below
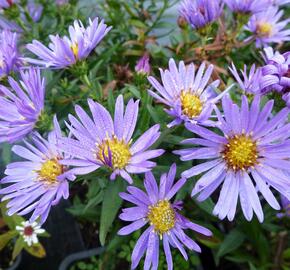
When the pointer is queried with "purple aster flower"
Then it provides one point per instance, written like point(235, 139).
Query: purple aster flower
point(250, 157)
point(267, 27)
point(247, 6)
point(9, 25)
point(163, 217)
point(189, 96)
point(286, 98)
point(34, 10)
point(104, 142)
point(249, 83)
point(7, 3)
point(285, 206)
point(9, 56)
point(276, 72)
point(143, 65)
point(66, 51)
point(20, 106)
point(39, 182)
point(200, 13)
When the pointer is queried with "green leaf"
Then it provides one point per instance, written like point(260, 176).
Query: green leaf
point(6, 237)
point(231, 242)
point(36, 250)
point(252, 267)
point(137, 23)
point(6, 153)
point(286, 254)
point(11, 221)
point(111, 101)
point(19, 245)
point(110, 207)
point(206, 205)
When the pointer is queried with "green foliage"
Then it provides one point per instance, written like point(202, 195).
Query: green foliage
point(110, 207)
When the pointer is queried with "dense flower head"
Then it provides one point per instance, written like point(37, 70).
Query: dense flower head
point(267, 27)
point(104, 142)
point(200, 13)
point(39, 182)
point(251, 156)
point(247, 6)
point(21, 105)
point(276, 72)
point(66, 51)
point(9, 55)
point(29, 232)
point(187, 93)
point(165, 221)
point(143, 65)
point(249, 83)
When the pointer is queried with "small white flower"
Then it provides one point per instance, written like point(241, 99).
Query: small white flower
point(29, 232)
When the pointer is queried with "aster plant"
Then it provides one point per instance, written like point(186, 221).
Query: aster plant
point(186, 92)
point(102, 142)
point(249, 157)
point(21, 105)
point(39, 182)
point(66, 51)
point(165, 222)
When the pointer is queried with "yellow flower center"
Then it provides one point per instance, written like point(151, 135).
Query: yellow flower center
point(264, 29)
point(162, 216)
point(114, 153)
point(240, 152)
point(75, 49)
point(191, 104)
point(49, 171)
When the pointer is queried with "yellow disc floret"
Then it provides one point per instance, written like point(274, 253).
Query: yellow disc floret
point(75, 49)
point(114, 153)
point(191, 104)
point(240, 152)
point(162, 216)
point(49, 171)
point(264, 29)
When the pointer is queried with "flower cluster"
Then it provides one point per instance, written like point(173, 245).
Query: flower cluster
point(240, 145)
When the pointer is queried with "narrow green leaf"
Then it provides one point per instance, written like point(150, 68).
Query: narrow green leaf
point(231, 242)
point(110, 207)
point(252, 267)
point(111, 101)
point(19, 245)
point(36, 250)
point(206, 205)
point(5, 238)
